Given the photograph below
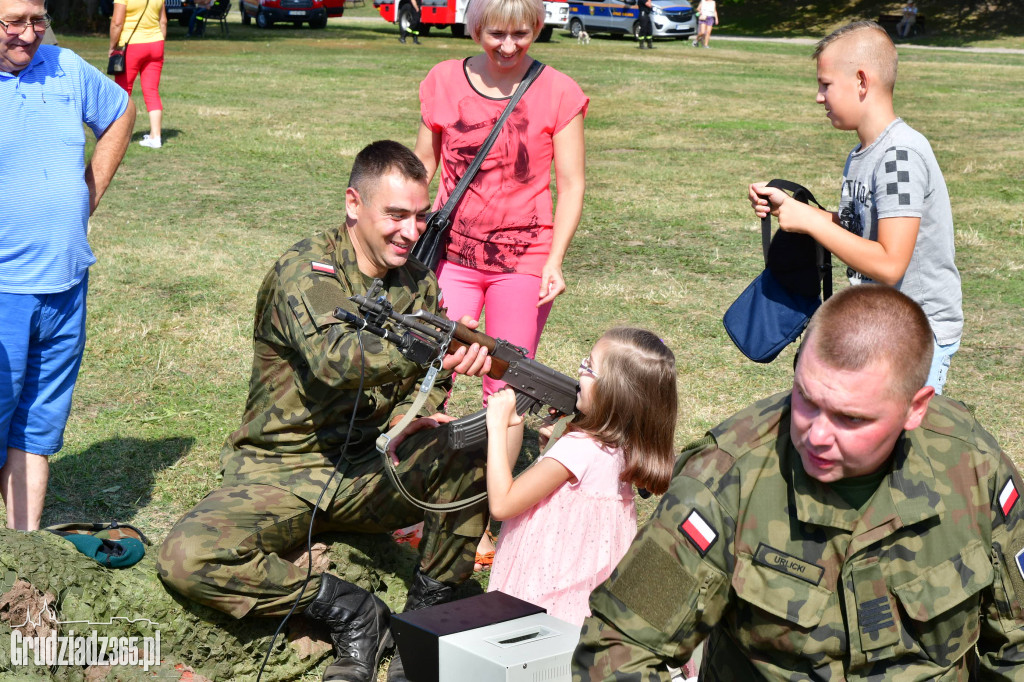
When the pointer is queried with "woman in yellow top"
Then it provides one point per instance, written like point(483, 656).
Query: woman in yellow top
point(139, 28)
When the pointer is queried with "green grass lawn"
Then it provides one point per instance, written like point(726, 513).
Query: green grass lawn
point(260, 132)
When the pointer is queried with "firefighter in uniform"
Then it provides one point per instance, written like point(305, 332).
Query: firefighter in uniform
point(319, 396)
point(857, 528)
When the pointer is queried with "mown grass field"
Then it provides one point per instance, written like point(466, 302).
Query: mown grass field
point(260, 132)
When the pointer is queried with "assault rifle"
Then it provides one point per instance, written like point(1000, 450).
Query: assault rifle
point(425, 338)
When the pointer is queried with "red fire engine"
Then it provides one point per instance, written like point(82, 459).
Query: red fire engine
point(445, 13)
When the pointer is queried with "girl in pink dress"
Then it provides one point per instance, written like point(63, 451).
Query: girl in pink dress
point(571, 516)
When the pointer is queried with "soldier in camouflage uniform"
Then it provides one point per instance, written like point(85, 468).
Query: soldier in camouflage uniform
point(857, 528)
point(319, 396)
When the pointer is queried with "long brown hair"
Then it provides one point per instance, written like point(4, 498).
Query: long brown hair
point(634, 405)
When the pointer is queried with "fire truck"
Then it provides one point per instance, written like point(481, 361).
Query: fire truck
point(445, 13)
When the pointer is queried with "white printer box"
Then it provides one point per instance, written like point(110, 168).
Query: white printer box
point(535, 648)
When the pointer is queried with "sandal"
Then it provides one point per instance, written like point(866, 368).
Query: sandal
point(483, 561)
point(486, 559)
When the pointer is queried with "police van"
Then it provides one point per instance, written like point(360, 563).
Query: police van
point(670, 18)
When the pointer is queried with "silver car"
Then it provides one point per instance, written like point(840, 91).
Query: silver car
point(670, 18)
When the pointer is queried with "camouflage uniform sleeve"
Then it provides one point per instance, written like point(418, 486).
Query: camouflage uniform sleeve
point(303, 318)
point(1001, 644)
point(672, 586)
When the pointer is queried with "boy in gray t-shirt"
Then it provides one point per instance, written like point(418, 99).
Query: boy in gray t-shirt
point(894, 223)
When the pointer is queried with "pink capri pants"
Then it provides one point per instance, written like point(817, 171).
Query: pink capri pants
point(509, 300)
point(147, 61)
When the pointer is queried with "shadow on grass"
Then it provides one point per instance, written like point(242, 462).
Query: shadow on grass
point(111, 480)
point(948, 23)
point(165, 134)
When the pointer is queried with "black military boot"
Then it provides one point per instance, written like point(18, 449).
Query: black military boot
point(650, 43)
point(360, 626)
point(424, 592)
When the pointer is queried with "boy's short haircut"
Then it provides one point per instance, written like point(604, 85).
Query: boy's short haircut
point(483, 14)
point(380, 158)
point(870, 45)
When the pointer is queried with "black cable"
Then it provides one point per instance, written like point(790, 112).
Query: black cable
point(316, 507)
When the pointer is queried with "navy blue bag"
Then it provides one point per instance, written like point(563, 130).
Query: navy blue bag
point(775, 308)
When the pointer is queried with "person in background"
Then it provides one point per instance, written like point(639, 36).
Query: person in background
point(909, 19)
point(506, 245)
point(139, 28)
point(708, 18)
point(46, 94)
point(646, 36)
point(198, 18)
point(414, 25)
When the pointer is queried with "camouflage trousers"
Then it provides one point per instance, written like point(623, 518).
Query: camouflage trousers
point(225, 553)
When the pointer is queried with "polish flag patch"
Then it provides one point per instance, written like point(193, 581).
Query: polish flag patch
point(698, 531)
point(325, 268)
point(1008, 497)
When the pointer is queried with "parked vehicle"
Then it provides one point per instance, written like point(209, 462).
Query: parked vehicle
point(181, 10)
point(444, 13)
point(176, 12)
point(268, 12)
point(670, 18)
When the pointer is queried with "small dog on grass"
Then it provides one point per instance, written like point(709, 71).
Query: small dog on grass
point(583, 38)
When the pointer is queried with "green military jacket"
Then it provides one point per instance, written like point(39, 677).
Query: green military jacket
point(787, 582)
point(308, 366)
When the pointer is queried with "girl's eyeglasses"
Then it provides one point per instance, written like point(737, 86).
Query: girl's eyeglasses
point(586, 367)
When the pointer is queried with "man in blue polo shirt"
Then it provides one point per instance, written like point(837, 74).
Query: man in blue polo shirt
point(49, 192)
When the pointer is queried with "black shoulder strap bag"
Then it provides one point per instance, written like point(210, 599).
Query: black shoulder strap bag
point(431, 244)
point(775, 308)
point(115, 64)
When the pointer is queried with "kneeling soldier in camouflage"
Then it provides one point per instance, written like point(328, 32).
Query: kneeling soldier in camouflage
point(859, 527)
point(319, 397)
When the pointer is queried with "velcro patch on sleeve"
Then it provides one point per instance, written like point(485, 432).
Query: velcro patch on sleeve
point(1008, 497)
point(699, 532)
point(323, 299)
point(653, 584)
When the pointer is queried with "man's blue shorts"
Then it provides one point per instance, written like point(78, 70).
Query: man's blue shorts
point(42, 337)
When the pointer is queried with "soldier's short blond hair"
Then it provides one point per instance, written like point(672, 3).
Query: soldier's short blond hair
point(484, 14)
point(864, 44)
point(870, 323)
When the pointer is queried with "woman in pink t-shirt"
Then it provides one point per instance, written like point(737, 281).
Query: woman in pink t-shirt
point(506, 245)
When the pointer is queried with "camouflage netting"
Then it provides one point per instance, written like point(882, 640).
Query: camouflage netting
point(41, 573)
